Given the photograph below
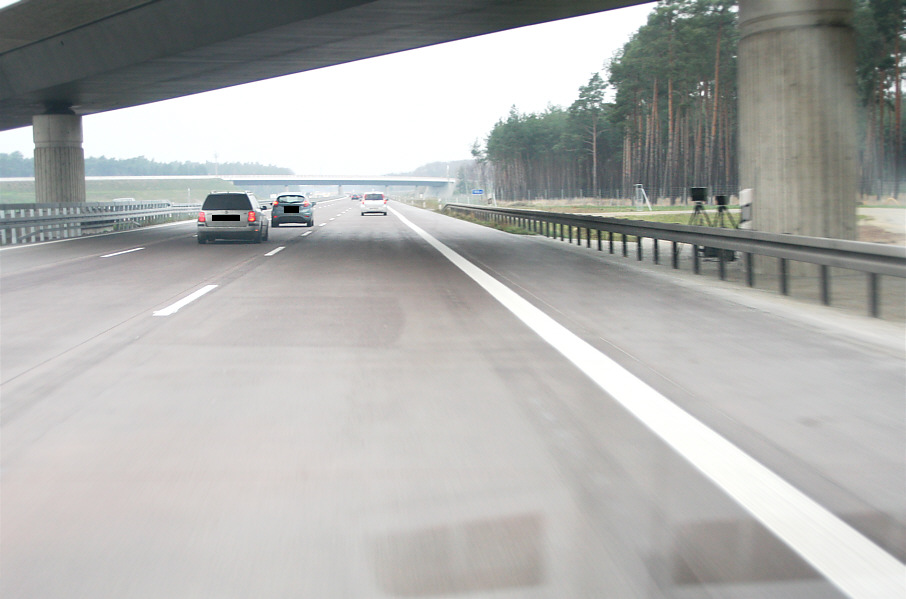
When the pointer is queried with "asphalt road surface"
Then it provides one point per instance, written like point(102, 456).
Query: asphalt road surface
point(415, 406)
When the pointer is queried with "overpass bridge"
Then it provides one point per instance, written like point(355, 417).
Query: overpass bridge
point(441, 186)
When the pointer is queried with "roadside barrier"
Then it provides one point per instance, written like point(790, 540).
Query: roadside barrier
point(29, 223)
point(874, 260)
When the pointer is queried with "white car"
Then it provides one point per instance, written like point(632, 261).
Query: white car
point(374, 201)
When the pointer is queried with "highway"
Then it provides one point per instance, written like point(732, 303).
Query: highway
point(417, 406)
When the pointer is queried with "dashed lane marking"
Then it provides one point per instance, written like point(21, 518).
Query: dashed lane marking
point(275, 251)
point(176, 306)
point(121, 253)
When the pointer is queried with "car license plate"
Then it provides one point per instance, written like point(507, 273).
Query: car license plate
point(291, 209)
point(225, 217)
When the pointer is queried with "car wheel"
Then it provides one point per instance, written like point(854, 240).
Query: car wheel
point(202, 239)
point(257, 238)
point(311, 223)
point(275, 224)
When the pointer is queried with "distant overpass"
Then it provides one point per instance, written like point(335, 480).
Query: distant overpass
point(380, 181)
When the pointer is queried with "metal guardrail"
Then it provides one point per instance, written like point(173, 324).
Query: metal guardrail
point(26, 223)
point(872, 259)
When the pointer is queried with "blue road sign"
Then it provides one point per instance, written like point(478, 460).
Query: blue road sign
point(477, 192)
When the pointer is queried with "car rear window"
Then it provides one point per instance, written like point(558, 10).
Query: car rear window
point(226, 201)
point(290, 199)
point(374, 196)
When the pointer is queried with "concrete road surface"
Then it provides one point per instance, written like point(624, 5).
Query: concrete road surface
point(415, 406)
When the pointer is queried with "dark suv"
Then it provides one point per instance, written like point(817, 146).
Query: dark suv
point(292, 208)
point(232, 215)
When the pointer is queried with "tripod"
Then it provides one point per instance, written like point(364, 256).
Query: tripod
point(699, 216)
point(722, 213)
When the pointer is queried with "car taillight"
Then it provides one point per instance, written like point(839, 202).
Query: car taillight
point(201, 217)
point(385, 200)
point(275, 203)
point(252, 216)
point(305, 204)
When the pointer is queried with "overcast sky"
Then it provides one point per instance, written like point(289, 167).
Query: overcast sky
point(376, 116)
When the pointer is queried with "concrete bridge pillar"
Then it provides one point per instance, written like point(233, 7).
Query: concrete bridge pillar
point(339, 190)
point(797, 114)
point(59, 158)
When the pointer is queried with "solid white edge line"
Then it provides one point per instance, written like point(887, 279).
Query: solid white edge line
point(173, 308)
point(121, 253)
point(275, 250)
point(849, 560)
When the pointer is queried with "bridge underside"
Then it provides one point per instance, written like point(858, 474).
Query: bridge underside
point(89, 57)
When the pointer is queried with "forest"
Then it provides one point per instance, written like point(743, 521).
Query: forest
point(663, 114)
point(16, 164)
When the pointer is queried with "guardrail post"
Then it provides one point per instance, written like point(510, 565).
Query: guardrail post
point(625, 251)
point(14, 232)
point(657, 256)
point(696, 260)
point(638, 249)
point(599, 240)
point(675, 258)
point(784, 278)
point(610, 240)
point(588, 237)
point(721, 264)
point(825, 285)
point(561, 232)
point(874, 303)
point(750, 270)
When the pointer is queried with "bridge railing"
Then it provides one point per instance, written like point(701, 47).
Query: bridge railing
point(29, 223)
point(874, 260)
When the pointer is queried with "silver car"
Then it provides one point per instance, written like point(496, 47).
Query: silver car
point(374, 201)
point(232, 215)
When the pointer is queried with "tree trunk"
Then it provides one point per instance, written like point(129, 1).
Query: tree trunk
point(898, 130)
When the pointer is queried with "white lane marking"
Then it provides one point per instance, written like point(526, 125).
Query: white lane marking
point(306, 233)
point(275, 251)
point(331, 218)
point(173, 308)
point(121, 253)
point(850, 561)
point(322, 224)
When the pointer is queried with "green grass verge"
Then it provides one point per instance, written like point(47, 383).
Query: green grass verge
point(176, 191)
point(592, 209)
